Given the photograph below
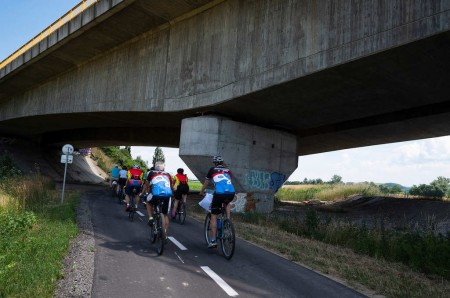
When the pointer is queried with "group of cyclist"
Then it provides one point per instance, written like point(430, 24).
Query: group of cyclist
point(160, 187)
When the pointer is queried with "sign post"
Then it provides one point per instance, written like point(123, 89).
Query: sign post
point(66, 158)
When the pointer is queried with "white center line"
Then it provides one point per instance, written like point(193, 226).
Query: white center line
point(229, 290)
point(175, 241)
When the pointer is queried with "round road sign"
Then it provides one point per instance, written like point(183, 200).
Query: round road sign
point(67, 149)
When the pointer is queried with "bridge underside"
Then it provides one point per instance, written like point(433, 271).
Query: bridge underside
point(397, 95)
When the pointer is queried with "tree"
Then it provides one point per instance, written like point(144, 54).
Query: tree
point(442, 183)
point(336, 179)
point(158, 155)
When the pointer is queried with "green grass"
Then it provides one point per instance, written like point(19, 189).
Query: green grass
point(344, 252)
point(35, 236)
point(195, 185)
point(324, 192)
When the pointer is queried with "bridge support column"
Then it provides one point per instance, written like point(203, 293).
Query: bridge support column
point(260, 159)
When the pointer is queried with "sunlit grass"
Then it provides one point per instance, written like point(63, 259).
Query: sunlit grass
point(35, 236)
point(325, 192)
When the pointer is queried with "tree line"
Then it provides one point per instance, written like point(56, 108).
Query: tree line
point(438, 188)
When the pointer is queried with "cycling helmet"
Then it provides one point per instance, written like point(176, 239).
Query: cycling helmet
point(217, 159)
point(136, 166)
point(180, 171)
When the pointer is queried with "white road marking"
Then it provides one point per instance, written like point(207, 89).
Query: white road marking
point(179, 257)
point(140, 213)
point(175, 241)
point(229, 290)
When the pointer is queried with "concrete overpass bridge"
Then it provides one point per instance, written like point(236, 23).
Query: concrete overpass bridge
point(259, 82)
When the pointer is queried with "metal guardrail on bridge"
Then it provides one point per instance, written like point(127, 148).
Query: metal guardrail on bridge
point(78, 9)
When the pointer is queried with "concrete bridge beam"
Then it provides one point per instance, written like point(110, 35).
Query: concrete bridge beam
point(260, 159)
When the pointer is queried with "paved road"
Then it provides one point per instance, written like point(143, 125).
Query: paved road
point(127, 265)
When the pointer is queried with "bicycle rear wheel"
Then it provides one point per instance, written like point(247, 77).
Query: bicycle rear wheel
point(228, 239)
point(120, 195)
point(207, 228)
point(131, 210)
point(160, 237)
point(181, 212)
point(153, 233)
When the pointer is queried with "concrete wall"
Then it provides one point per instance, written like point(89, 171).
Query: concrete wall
point(260, 159)
point(232, 49)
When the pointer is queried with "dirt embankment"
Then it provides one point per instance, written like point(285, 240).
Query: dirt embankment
point(385, 212)
point(32, 159)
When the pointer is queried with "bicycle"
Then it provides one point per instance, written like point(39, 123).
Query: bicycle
point(181, 211)
point(120, 195)
point(225, 232)
point(157, 233)
point(131, 209)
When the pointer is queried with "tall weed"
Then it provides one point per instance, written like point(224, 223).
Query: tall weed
point(325, 192)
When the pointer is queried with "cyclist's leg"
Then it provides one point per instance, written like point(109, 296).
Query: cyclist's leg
point(136, 196)
point(227, 200)
point(165, 211)
point(128, 193)
point(149, 206)
point(215, 210)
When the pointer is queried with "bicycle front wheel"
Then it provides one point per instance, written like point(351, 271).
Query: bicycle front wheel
point(228, 239)
point(207, 228)
point(182, 212)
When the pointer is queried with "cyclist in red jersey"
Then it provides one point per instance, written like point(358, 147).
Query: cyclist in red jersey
point(181, 189)
point(134, 180)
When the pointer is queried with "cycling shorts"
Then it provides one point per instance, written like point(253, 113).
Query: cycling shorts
point(182, 189)
point(122, 181)
point(129, 189)
point(218, 200)
point(154, 200)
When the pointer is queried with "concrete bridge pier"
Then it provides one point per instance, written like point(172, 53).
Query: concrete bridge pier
point(260, 159)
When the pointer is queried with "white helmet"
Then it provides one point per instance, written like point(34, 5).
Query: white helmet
point(136, 166)
point(159, 166)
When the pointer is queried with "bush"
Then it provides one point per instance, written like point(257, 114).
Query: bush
point(7, 167)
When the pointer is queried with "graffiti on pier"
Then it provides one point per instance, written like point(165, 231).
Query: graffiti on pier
point(244, 203)
point(276, 180)
point(257, 179)
point(238, 206)
point(263, 180)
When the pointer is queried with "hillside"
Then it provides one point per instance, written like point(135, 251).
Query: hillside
point(30, 159)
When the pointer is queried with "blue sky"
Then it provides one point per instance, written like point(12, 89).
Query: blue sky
point(406, 163)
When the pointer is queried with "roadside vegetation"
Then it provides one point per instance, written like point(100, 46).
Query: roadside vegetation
point(373, 261)
point(36, 230)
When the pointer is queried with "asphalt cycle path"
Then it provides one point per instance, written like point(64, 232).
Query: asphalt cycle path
point(127, 265)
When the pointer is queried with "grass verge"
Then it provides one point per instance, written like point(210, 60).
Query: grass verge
point(369, 275)
point(35, 236)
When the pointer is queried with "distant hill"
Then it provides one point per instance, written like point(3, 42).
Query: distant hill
point(405, 188)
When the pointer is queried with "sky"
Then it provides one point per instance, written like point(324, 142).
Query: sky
point(407, 163)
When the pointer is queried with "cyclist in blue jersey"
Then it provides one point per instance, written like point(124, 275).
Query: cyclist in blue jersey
point(223, 194)
point(114, 174)
point(160, 184)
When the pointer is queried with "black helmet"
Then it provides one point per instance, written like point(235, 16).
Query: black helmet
point(180, 171)
point(217, 159)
